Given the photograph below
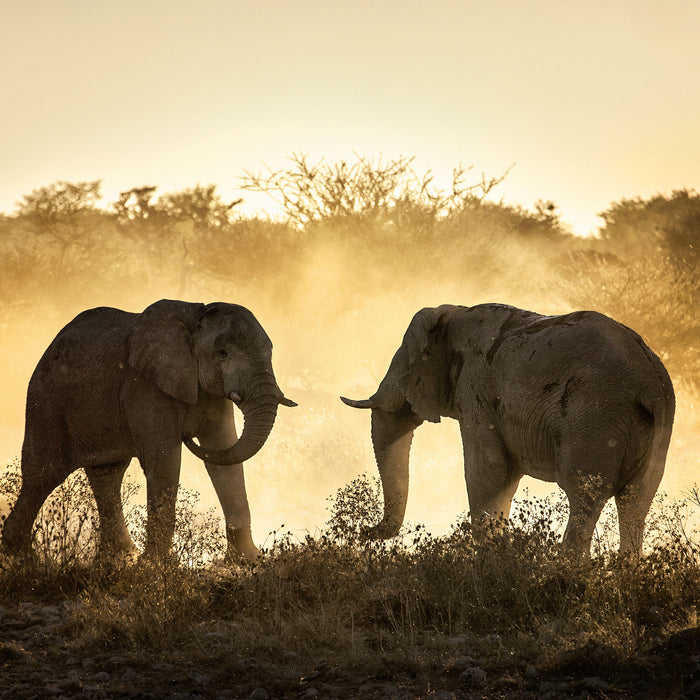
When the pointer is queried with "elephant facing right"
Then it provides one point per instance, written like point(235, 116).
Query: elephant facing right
point(577, 399)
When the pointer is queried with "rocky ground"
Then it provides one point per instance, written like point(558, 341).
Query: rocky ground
point(39, 660)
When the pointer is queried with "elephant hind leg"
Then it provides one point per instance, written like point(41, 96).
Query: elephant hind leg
point(583, 517)
point(37, 485)
point(105, 481)
point(587, 493)
point(633, 503)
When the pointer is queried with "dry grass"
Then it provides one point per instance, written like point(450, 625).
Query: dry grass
point(397, 607)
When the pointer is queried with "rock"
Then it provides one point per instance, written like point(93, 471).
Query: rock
point(129, 676)
point(50, 611)
point(473, 677)
point(71, 685)
point(596, 683)
point(167, 668)
point(462, 663)
point(553, 687)
point(101, 677)
point(198, 678)
point(18, 688)
point(259, 694)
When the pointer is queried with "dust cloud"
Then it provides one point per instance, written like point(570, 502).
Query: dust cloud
point(336, 313)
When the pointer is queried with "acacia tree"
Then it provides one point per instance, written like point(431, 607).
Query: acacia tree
point(60, 205)
point(66, 214)
point(201, 205)
point(364, 189)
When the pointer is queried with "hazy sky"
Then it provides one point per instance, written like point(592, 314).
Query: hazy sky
point(591, 100)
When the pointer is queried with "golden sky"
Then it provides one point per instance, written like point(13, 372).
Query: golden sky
point(593, 101)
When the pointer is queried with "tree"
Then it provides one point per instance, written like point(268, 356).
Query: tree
point(134, 204)
point(666, 224)
point(200, 204)
point(61, 209)
point(365, 189)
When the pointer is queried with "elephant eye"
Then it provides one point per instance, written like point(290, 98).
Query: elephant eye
point(222, 353)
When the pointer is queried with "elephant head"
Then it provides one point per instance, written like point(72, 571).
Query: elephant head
point(416, 388)
point(218, 350)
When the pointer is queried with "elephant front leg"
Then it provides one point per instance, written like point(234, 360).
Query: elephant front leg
point(162, 472)
point(216, 431)
point(229, 484)
point(491, 484)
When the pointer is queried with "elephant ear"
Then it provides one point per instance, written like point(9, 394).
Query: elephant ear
point(425, 379)
point(160, 348)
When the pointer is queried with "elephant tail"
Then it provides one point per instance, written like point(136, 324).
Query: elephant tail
point(661, 406)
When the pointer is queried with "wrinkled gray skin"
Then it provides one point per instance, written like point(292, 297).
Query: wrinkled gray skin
point(577, 399)
point(115, 385)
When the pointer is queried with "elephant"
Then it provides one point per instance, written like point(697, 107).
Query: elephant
point(115, 385)
point(577, 399)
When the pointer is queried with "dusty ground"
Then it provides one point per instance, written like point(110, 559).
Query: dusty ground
point(39, 659)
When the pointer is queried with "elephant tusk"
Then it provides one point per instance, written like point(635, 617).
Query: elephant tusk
point(288, 402)
point(365, 403)
point(194, 447)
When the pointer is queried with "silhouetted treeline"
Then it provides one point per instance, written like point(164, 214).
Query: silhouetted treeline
point(365, 228)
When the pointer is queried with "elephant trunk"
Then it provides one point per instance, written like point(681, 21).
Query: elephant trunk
point(392, 434)
point(259, 408)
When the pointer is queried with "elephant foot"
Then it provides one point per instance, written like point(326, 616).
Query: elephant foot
point(158, 559)
point(241, 549)
point(382, 531)
point(118, 554)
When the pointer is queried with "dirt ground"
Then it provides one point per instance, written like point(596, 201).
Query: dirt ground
point(39, 659)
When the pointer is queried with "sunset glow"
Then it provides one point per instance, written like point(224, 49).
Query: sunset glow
point(591, 103)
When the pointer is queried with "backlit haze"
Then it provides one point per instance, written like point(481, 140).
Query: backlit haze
point(585, 103)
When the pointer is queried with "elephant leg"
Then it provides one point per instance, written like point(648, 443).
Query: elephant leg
point(587, 492)
point(106, 481)
point(584, 511)
point(585, 477)
point(162, 472)
point(36, 487)
point(633, 503)
point(217, 431)
point(45, 465)
point(229, 484)
point(491, 483)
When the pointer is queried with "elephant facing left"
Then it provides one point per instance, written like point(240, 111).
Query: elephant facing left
point(114, 385)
